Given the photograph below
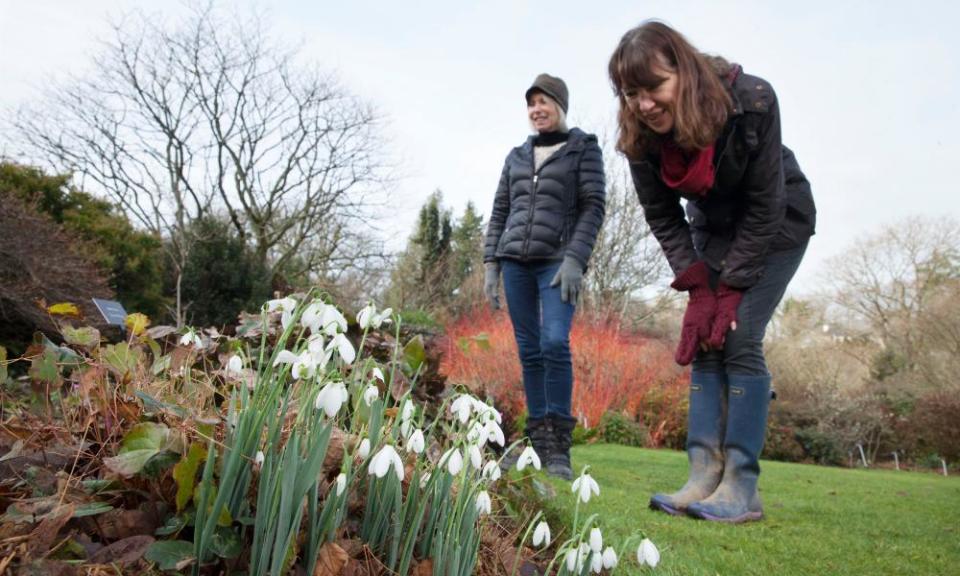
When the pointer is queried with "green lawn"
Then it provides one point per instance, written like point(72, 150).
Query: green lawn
point(819, 520)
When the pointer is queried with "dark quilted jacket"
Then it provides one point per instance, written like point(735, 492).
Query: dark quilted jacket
point(553, 213)
point(760, 202)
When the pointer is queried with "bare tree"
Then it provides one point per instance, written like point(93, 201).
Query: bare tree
point(895, 281)
point(209, 115)
point(627, 264)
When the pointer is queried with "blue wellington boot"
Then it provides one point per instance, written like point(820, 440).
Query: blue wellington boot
point(704, 431)
point(737, 499)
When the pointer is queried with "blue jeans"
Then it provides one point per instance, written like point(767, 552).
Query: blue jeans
point(742, 352)
point(541, 325)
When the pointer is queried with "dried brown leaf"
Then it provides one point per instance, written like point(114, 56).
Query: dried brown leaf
point(423, 568)
point(45, 535)
point(123, 551)
point(118, 524)
point(330, 560)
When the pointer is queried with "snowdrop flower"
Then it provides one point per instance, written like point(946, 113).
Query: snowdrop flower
point(596, 541)
point(487, 412)
point(453, 460)
point(424, 480)
point(305, 366)
point(647, 554)
point(416, 443)
point(286, 306)
point(258, 459)
point(333, 321)
point(316, 347)
point(322, 317)
point(476, 458)
point(541, 535)
point(287, 303)
point(331, 398)
point(484, 505)
point(377, 373)
point(191, 339)
point(370, 394)
point(491, 471)
point(341, 483)
point(494, 433)
point(596, 563)
point(364, 450)
point(312, 316)
point(285, 357)
point(571, 559)
point(405, 427)
point(368, 317)
point(235, 365)
point(584, 486)
point(383, 460)
point(609, 558)
point(528, 456)
point(306, 363)
point(477, 433)
point(407, 411)
point(462, 407)
point(576, 557)
point(343, 346)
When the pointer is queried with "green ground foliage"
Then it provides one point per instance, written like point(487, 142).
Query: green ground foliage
point(819, 520)
point(131, 259)
point(222, 277)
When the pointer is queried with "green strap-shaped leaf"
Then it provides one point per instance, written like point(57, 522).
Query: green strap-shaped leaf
point(185, 472)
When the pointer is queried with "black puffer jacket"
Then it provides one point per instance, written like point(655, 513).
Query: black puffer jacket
point(554, 212)
point(760, 201)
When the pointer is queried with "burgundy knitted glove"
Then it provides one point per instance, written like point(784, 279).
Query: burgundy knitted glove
point(728, 299)
point(701, 307)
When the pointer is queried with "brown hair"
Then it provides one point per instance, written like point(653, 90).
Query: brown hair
point(702, 105)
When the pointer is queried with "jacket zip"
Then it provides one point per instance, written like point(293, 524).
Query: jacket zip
point(533, 200)
point(535, 178)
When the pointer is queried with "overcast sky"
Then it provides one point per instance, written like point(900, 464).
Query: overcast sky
point(869, 91)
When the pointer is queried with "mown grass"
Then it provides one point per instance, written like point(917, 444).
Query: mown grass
point(819, 520)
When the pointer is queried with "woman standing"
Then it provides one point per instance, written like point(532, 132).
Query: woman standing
point(547, 211)
point(696, 127)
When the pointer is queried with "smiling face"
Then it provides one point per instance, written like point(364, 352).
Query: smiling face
point(543, 112)
point(655, 105)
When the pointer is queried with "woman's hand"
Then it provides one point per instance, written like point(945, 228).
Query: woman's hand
point(491, 283)
point(701, 309)
point(728, 300)
point(569, 277)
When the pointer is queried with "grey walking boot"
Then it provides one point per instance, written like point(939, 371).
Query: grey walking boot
point(705, 420)
point(558, 463)
point(541, 438)
point(736, 499)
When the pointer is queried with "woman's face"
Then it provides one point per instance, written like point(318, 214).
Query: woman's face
point(543, 112)
point(655, 106)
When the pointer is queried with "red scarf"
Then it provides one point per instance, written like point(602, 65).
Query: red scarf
point(687, 172)
point(692, 173)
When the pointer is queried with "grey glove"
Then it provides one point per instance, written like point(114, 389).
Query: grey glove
point(570, 278)
point(491, 283)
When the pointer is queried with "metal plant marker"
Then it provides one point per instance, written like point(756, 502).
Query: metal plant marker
point(863, 457)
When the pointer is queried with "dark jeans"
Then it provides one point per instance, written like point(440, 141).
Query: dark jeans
point(541, 324)
point(743, 349)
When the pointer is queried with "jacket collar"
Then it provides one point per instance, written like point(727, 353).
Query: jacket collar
point(576, 141)
point(736, 89)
